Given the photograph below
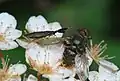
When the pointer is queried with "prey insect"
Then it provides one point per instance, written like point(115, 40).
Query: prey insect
point(43, 37)
point(42, 34)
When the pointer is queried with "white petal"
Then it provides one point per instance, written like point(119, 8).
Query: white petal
point(31, 78)
point(118, 76)
point(14, 79)
point(53, 27)
point(12, 34)
point(61, 73)
point(66, 72)
point(60, 79)
point(8, 45)
point(17, 69)
point(55, 79)
point(36, 24)
point(77, 80)
point(70, 79)
point(6, 21)
point(45, 54)
point(54, 54)
point(108, 66)
point(93, 76)
point(22, 43)
point(36, 52)
point(106, 75)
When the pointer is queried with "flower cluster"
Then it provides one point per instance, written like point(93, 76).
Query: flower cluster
point(45, 54)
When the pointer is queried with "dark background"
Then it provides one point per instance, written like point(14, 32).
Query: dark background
point(101, 17)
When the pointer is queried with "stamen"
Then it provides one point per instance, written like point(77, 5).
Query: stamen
point(2, 38)
point(2, 59)
point(96, 51)
point(102, 51)
point(6, 65)
point(18, 62)
point(91, 44)
point(101, 43)
point(103, 47)
point(45, 69)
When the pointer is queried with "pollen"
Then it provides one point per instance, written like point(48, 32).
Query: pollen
point(67, 66)
point(41, 68)
point(45, 69)
point(3, 75)
point(2, 38)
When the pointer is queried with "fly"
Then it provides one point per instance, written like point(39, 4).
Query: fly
point(74, 45)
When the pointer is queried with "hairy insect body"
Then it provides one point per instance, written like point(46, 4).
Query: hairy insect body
point(75, 44)
point(75, 53)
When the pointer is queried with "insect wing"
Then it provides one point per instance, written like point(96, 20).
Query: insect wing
point(39, 34)
point(82, 68)
point(49, 41)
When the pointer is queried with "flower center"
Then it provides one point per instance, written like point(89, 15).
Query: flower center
point(3, 75)
point(2, 38)
point(41, 68)
point(45, 69)
point(97, 50)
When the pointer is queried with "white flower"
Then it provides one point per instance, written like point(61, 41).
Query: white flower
point(12, 72)
point(44, 58)
point(107, 72)
point(8, 33)
point(47, 61)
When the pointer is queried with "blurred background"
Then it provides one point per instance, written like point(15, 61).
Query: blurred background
point(101, 17)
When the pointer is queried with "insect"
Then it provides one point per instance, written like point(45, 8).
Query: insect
point(43, 37)
point(42, 34)
point(74, 45)
point(75, 53)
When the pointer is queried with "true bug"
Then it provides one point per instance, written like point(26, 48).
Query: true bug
point(43, 37)
point(42, 34)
